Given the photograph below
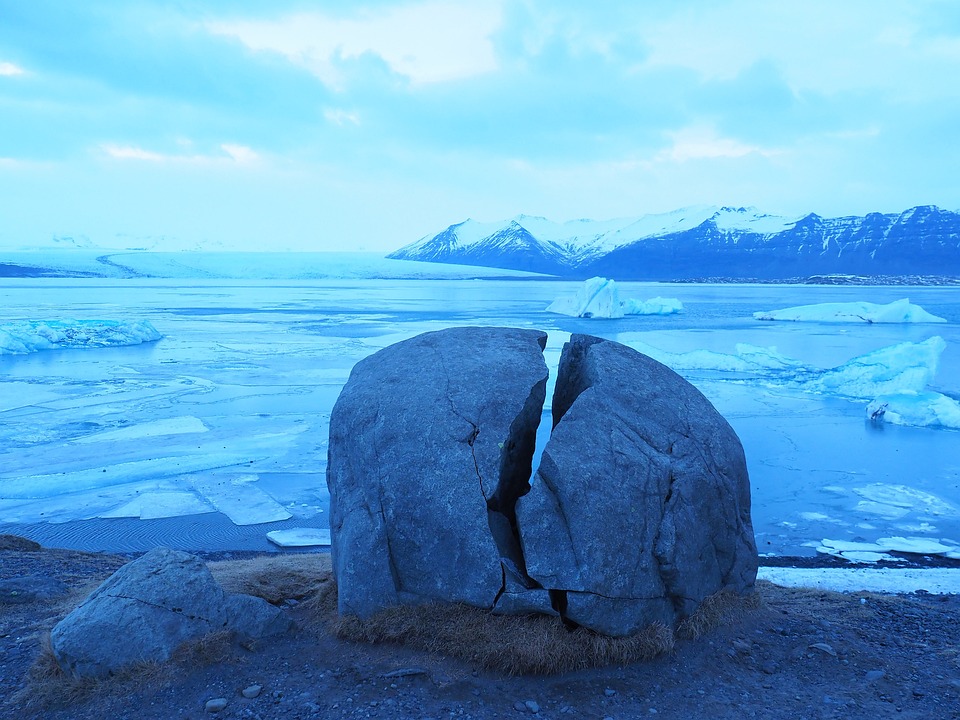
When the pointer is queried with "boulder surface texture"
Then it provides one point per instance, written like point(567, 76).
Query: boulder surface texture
point(148, 608)
point(639, 510)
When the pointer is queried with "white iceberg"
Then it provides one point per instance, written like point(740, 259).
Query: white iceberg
point(600, 298)
point(903, 368)
point(898, 311)
point(893, 379)
point(27, 336)
point(924, 409)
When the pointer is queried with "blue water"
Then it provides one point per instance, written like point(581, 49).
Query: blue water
point(259, 365)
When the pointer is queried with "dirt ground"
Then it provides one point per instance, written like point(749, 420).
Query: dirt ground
point(800, 654)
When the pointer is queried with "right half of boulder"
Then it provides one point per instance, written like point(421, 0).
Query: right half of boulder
point(640, 508)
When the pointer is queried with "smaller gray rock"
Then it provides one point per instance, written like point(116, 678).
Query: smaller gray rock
point(161, 600)
point(609, 692)
point(532, 706)
point(874, 675)
point(215, 705)
point(252, 691)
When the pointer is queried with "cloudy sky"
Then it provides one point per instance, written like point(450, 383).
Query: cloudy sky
point(364, 125)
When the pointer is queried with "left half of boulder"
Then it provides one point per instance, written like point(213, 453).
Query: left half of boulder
point(149, 608)
point(431, 444)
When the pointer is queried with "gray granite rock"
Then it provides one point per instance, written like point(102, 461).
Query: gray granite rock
point(641, 505)
point(148, 608)
point(639, 510)
point(431, 439)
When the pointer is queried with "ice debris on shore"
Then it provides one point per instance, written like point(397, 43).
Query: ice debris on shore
point(600, 298)
point(898, 311)
point(27, 336)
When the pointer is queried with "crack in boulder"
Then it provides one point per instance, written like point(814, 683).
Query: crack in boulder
point(639, 510)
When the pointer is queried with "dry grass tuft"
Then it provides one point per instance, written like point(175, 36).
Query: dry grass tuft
point(48, 687)
point(274, 578)
point(516, 645)
point(724, 607)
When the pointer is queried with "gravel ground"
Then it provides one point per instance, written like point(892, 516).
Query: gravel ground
point(802, 654)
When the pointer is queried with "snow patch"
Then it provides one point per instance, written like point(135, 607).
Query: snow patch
point(941, 581)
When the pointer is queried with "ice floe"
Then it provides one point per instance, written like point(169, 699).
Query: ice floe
point(898, 311)
point(876, 551)
point(27, 336)
point(600, 298)
point(300, 537)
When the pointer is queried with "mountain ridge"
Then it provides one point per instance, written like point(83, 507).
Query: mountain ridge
point(703, 241)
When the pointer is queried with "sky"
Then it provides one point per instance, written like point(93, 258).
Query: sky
point(363, 126)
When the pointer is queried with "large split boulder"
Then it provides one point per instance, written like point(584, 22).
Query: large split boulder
point(149, 608)
point(430, 441)
point(639, 510)
point(640, 507)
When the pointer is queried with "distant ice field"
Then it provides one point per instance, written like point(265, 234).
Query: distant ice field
point(216, 433)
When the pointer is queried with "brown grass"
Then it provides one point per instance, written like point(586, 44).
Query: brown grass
point(512, 644)
point(48, 687)
point(721, 608)
point(274, 578)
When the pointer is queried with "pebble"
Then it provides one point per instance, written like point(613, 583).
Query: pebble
point(251, 692)
point(609, 692)
point(873, 675)
point(532, 706)
point(215, 705)
point(742, 646)
point(824, 647)
point(769, 667)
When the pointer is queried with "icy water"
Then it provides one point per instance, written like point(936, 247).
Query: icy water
point(215, 434)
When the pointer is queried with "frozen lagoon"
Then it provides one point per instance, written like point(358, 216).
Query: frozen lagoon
point(216, 434)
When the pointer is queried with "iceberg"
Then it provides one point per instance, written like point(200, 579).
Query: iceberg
point(599, 297)
point(903, 368)
point(27, 336)
point(898, 311)
point(893, 379)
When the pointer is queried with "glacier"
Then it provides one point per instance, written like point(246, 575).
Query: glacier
point(28, 336)
point(599, 297)
point(898, 311)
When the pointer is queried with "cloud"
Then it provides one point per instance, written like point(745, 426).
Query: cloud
point(341, 117)
point(702, 143)
point(232, 153)
point(425, 42)
point(8, 69)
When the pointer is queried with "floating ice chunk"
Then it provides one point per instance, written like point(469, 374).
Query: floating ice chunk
point(300, 537)
point(653, 306)
point(905, 498)
point(903, 368)
point(924, 409)
point(600, 298)
point(29, 336)
point(899, 311)
point(872, 552)
point(243, 502)
point(887, 512)
point(915, 545)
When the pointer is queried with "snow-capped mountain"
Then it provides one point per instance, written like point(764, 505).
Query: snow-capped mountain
point(702, 242)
